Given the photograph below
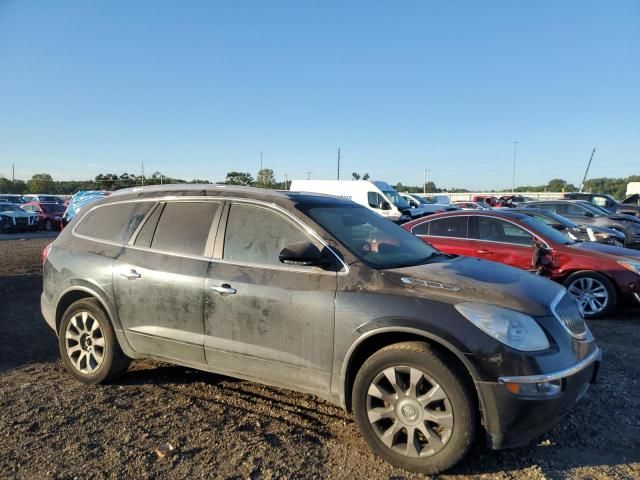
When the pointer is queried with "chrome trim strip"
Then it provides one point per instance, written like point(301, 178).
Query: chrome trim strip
point(554, 304)
point(636, 295)
point(596, 355)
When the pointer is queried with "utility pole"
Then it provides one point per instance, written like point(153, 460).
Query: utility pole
point(584, 179)
point(260, 160)
point(424, 184)
point(143, 173)
point(13, 173)
point(338, 163)
point(285, 181)
point(308, 175)
point(513, 179)
point(161, 179)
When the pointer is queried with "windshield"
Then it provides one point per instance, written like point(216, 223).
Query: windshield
point(52, 207)
point(396, 198)
point(547, 232)
point(551, 218)
point(370, 237)
point(9, 208)
point(597, 211)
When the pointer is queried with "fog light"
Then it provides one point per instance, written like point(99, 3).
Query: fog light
point(535, 390)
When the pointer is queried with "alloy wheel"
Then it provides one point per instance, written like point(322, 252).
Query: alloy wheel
point(591, 294)
point(409, 411)
point(85, 344)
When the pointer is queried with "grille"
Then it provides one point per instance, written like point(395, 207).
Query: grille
point(568, 312)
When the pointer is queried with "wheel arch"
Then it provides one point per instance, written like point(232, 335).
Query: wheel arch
point(374, 340)
point(568, 273)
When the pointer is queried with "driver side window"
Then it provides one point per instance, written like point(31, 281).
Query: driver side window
point(375, 199)
point(258, 235)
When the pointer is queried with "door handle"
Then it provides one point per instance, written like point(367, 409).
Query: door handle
point(131, 275)
point(483, 251)
point(224, 289)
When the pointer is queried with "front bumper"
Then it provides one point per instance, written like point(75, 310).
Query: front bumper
point(513, 421)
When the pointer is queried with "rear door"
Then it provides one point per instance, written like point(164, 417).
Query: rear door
point(265, 320)
point(159, 280)
point(502, 241)
point(448, 234)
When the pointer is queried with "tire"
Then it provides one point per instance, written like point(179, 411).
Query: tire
point(48, 225)
point(406, 413)
point(581, 284)
point(90, 353)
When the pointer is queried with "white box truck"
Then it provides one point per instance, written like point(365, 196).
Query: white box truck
point(377, 196)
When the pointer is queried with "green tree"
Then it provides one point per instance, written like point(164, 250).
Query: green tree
point(366, 176)
point(265, 179)
point(239, 178)
point(355, 176)
point(430, 187)
point(40, 183)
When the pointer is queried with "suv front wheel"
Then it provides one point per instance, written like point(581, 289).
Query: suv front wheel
point(88, 346)
point(414, 410)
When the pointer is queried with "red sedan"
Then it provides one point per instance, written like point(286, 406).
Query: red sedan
point(597, 275)
point(50, 213)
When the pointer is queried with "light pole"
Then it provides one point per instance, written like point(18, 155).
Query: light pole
point(513, 179)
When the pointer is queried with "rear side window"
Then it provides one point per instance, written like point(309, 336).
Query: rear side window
point(145, 236)
point(449, 227)
point(257, 235)
point(422, 229)
point(114, 222)
point(184, 227)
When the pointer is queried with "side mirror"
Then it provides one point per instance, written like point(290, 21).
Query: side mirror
point(558, 226)
point(384, 205)
point(588, 214)
point(303, 254)
point(540, 259)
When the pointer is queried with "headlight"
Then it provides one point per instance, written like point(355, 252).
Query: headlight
point(512, 328)
point(634, 266)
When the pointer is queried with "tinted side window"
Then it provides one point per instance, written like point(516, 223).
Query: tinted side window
point(422, 229)
point(449, 227)
point(257, 235)
point(184, 227)
point(375, 199)
point(115, 222)
point(496, 230)
point(146, 232)
point(569, 209)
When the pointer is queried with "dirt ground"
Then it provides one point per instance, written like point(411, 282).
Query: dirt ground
point(54, 427)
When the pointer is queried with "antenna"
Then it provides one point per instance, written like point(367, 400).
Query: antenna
point(584, 179)
point(338, 163)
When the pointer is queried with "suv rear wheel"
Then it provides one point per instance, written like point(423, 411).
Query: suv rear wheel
point(88, 345)
point(414, 410)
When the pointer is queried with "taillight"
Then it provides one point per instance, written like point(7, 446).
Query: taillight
point(45, 253)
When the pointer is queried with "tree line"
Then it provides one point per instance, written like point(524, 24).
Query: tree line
point(44, 183)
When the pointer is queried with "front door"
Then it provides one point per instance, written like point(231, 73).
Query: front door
point(504, 242)
point(265, 320)
point(159, 281)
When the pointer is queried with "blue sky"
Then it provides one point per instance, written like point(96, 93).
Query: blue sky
point(196, 89)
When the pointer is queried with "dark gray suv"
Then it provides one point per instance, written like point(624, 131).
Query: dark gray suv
point(320, 295)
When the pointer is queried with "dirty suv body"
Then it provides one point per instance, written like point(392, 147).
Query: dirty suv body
point(319, 295)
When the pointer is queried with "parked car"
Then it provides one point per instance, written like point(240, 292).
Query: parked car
point(11, 198)
point(512, 201)
point(377, 196)
point(42, 198)
point(598, 276)
point(80, 200)
point(13, 218)
point(437, 199)
point(583, 213)
point(632, 199)
point(574, 231)
point(488, 199)
point(424, 206)
point(605, 201)
point(321, 295)
point(472, 205)
point(50, 214)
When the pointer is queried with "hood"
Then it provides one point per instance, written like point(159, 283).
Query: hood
point(609, 231)
point(628, 219)
point(464, 279)
point(597, 248)
point(16, 214)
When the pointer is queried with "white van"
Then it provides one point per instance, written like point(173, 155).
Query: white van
point(377, 196)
